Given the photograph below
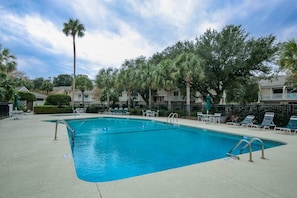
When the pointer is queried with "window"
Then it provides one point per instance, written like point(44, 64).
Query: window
point(175, 93)
point(276, 91)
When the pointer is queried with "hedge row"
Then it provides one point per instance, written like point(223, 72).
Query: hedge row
point(50, 109)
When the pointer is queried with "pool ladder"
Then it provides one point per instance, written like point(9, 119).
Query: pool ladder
point(68, 127)
point(247, 144)
point(172, 117)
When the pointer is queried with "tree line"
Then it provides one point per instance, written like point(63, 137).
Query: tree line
point(228, 61)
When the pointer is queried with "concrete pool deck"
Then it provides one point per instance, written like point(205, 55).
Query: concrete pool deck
point(33, 164)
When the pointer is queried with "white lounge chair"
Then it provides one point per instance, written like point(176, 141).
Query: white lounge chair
point(291, 126)
point(267, 121)
point(248, 120)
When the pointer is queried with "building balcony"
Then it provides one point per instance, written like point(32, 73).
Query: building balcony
point(279, 97)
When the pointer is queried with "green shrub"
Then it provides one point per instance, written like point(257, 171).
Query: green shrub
point(95, 109)
point(50, 109)
point(57, 99)
point(26, 96)
point(163, 113)
point(135, 111)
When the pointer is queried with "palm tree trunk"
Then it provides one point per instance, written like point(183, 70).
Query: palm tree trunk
point(83, 99)
point(129, 101)
point(169, 100)
point(188, 101)
point(107, 98)
point(74, 72)
point(150, 98)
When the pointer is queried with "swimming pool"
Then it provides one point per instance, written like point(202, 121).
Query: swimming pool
point(106, 149)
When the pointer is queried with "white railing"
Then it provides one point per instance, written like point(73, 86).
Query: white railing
point(279, 96)
point(247, 144)
point(68, 127)
point(172, 117)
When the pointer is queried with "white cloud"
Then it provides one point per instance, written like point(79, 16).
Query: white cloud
point(118, 31)
point(35, 31)
point(107, 49)
point(95, 49)
point(29, 64)
point(175, 12)
point(92, 11)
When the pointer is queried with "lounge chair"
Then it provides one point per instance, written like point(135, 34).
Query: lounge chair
point(267, 121)
point(248, 120)
point(126, 111)
point(291, 126)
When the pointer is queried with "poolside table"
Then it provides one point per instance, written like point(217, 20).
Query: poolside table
point(16, 114)
point(211, 118)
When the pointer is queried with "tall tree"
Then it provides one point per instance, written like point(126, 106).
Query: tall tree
point(83, 83)
point(47, 86)
point(6, 89)
point(37, 82)
point(166, 77)
point(230, 56)
point(74, 28)
point(145, 77)
point(288, 60)
point(134, 72)
point(62, 80)
point(245, 92)
point(7, 61)
point(126, 79)
point(105, 80)
point(7, 67)
point(21, 79)
point(189, 68)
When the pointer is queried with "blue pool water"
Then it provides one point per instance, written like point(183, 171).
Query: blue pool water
point(106, 149)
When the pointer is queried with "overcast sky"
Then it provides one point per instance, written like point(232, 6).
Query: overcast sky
point(125, 29)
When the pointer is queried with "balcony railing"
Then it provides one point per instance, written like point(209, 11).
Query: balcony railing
point(279, 96)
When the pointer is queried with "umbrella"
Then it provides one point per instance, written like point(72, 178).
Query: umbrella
point(207, 106)
point(16, 102)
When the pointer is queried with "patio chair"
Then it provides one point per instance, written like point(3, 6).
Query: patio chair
point(291, 126)
point(121, 110)
point(199, 116)
point(267, 121)
point(143, 113)
point(126, 111)
point(216, 118)
point(248, 120)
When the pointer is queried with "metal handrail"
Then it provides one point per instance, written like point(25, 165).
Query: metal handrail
point(248, 144)
point(68, 127)
point(237, 145)
point(251, 141)
point(171, 117)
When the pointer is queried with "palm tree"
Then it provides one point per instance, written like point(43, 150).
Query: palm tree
point(74, 28)
point(127, 79)
point(7, 62)
point(105, 80)
point(166, 77)
point(189, 67)
point(288, 59)
point(6, 90)
point(7, 66)
point(47, 86)
point(83, 83)
point(146, 78)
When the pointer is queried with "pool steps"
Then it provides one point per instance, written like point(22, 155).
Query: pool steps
point(248, 144)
